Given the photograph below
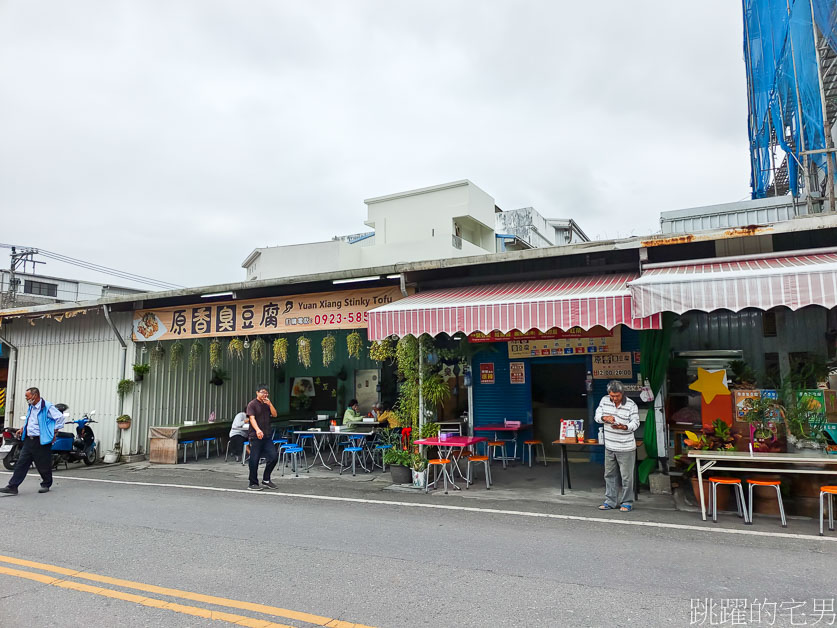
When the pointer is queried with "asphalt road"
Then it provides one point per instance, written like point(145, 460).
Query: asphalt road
point(316, 561)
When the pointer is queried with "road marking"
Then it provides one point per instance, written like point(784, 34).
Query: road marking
point(498, 511)
point(151, 602)
point(150, 588)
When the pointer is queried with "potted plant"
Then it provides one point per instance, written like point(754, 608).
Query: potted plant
point(124, 387)
point(718, 438)
point(140, 370)
point(418, 466)
point(123, 422)
point(399, 461)
point(763, 414)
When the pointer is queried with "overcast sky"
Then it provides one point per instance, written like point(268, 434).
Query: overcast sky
point(171, 138)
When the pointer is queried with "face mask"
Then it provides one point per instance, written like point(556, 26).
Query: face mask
point(31, 402)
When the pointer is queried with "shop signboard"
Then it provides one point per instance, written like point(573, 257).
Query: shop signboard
point(613, 366)
point(517, 372)
point(275, 315)
point(602, 341)
point(550, 334)
point(487, 373)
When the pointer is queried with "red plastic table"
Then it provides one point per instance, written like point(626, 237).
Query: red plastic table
point(501, 427)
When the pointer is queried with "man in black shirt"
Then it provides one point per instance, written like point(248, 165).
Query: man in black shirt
point(259, 412)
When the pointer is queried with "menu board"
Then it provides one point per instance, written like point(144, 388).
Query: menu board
point(517, 372)
point(613, 366)
point(568, 345)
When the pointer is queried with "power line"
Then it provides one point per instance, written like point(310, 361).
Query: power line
point(106, 270)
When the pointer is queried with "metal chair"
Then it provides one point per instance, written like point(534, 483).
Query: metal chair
point(775, 484)
point(735, 483)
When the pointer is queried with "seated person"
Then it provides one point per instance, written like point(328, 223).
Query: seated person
point(375, 412)
point(239, 434)
point(351, 417)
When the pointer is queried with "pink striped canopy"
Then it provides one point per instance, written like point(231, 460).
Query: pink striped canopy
point(564, 303)
point(764, 282)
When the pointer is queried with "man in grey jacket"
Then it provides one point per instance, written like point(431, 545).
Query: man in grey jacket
point(620, 417)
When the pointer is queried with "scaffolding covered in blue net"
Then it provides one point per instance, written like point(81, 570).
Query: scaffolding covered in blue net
point(788, 113)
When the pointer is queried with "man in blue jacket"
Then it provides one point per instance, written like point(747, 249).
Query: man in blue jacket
point(43, 421)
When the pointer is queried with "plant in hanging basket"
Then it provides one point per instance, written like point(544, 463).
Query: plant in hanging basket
point(176, 354)
point(123, 422)
point(124, 387)
point(219, 376)
point(215, 354)
point(257, 349)
point(236, 348)
point(382, 350)
point(354, 343)
point(303, 348)
point(195, 353)
point(157, 353)
point(140, 370)
point(280, 352)
point(329, 345)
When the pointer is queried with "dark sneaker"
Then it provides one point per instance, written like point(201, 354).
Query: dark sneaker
point(254, 487)
point(269, 484)
point(43, 489)
point(8, 490)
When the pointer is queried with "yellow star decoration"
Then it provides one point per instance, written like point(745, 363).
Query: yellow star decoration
point(710, 385)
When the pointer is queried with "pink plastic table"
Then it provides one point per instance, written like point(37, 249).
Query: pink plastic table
point(446, 446)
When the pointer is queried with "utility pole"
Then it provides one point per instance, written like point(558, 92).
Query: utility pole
point(18, 260)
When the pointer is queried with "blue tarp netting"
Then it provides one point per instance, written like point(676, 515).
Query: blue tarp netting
point(778, 39)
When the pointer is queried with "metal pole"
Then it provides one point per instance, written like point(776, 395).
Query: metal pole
point(805, 166)
point(825, 131)
point(421, 396)
point(124, 366)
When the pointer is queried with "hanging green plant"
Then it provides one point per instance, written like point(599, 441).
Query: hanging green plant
point(257, 349)
point(354, 343)
point(195, 353)
point(303, 349)
point(124, 387)
point(236, 348)
point(176, 354)
point(280, 352)
point(157, 353)
point(382, 350)
point(215, 354)
point(329, 345)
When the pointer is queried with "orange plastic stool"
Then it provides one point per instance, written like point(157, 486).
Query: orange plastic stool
point(738, 489)
point(493, 445)
point(775, 484)
point(486, 461)
point(535, 443)
point(437, 463)
point(831, 491)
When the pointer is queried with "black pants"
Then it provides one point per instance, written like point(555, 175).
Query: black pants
point(237, 444)
point(41, 455)
point(259, 449)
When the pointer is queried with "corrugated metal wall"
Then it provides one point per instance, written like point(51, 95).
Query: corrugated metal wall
point(77, 361)
point(800, 331)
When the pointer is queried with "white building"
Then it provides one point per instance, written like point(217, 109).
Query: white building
point(35, 289)
point(443, 221)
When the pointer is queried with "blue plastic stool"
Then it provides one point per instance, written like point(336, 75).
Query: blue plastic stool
point(212, 439)
point(291, 454)
point(354, 451)
point(185, 444)
point(380, 449)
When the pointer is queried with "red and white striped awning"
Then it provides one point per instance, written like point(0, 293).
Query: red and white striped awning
point(564, 303)
point(762, 282)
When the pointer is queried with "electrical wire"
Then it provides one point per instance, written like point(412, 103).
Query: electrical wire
point(106, 270)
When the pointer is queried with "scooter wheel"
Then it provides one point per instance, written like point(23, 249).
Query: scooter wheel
point(10, 459)
point(90, 457)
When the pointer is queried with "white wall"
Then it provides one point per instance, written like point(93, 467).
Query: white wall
point(298, 259)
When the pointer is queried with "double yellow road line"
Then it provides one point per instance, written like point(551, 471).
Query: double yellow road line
point(195, 611)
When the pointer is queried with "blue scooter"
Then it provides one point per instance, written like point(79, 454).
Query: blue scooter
point(72, 448)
